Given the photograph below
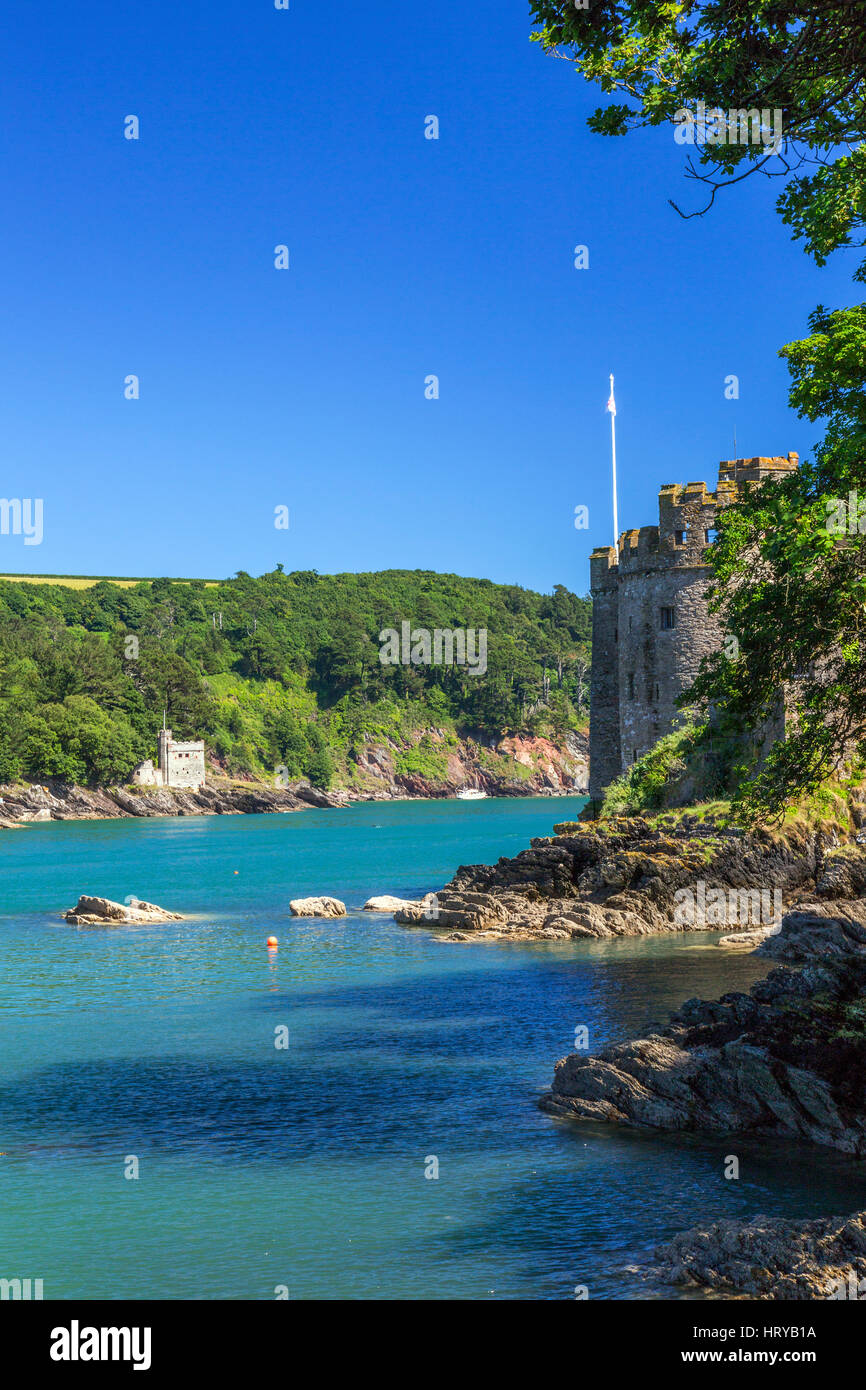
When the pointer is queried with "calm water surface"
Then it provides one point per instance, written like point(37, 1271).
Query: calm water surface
point(305, 1167)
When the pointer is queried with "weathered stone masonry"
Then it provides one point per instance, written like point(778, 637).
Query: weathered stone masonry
point(650, 621)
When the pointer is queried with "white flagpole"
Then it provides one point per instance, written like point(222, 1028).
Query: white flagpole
point(612, 409)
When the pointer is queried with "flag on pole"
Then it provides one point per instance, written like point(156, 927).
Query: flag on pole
point(611, 406)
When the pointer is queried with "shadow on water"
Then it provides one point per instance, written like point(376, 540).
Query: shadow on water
point(599, 1229)
point(161, 1044)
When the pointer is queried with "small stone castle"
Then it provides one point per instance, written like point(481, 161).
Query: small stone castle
point(650, 621)
point(179, 765)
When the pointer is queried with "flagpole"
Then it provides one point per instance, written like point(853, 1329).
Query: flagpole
point(613, 467)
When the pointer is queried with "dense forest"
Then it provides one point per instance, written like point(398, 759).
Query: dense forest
point(280, 670)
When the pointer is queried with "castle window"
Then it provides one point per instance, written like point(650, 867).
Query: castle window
point(710, 535)
point(681, 537)
point(669, 618)
point(631, 685)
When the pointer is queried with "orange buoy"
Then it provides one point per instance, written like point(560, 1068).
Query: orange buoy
point(236, 870)
point(272, 941)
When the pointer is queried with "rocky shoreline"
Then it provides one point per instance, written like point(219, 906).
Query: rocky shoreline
point(20, 806)
point(786, 1059)
point(625, 877)
point(516, 766)
point(778, 1060)
point(767, 1258)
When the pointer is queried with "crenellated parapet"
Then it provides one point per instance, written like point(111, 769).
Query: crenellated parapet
point(651, 621)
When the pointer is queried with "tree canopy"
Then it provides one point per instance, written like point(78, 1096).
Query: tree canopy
point(283, 670)
point(790, 583)
point(790, 559)
point(806, 59)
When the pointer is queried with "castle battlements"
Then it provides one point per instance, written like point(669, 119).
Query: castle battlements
point(651, 625)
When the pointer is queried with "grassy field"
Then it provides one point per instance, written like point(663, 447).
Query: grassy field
point(87, 581)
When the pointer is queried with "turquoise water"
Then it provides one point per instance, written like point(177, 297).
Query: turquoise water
point(305, 1167)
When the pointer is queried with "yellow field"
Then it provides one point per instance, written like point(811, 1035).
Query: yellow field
point(87, 581)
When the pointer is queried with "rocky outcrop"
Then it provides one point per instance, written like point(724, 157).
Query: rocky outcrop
point(788, 1058)
point(820, 931)
point(625, 877)
point(317, 907)
point(767, 1258)
point(102, 912)
point(61, 802)
point(519, 765)
point(747, 940)
point(387, 903)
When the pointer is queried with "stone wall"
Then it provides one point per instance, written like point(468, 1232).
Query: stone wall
point(651, 622)
point(604, 731)
point(180, 764)
point(185, 765)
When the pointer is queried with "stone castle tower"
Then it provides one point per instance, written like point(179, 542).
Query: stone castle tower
point(650, 620)
point(178, 764)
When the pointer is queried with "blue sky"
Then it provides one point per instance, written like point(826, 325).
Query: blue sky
point(409, 257)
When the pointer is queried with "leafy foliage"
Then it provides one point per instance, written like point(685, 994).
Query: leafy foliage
point(806, 58)
point(283, 670)
point(790, 584)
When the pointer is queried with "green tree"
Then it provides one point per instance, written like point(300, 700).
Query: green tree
point(789, 587)
point(790, 583)
point(807, 60)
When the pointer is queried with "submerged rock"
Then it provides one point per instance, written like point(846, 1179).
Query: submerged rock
point(317, 907)
point(102, 912)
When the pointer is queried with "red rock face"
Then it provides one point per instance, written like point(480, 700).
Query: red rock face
point(520, 765)
point(497, 769)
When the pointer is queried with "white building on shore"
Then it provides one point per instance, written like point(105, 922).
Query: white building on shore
point(179, 764)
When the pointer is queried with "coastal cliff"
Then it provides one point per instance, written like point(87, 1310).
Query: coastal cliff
point(786, 1059)
point(521, 765)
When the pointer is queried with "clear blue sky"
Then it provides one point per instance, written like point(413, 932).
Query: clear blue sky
point(305, 388)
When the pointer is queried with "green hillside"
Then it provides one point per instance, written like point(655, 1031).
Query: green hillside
point(284, 670)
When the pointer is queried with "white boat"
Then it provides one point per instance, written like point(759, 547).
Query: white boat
point(471, 794)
